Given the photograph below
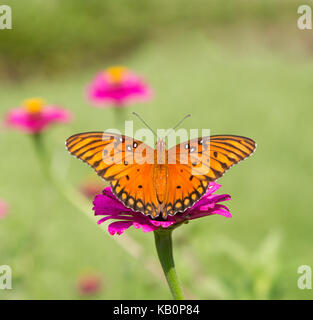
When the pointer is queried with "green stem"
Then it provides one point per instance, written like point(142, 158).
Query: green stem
point(120, 115)
point(69, 193)
point(42, 155)
point(164, 246)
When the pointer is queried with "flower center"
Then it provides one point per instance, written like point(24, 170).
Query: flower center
point(33, 105)
point(116, 74)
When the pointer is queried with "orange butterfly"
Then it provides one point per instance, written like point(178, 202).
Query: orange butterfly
point(164, 184)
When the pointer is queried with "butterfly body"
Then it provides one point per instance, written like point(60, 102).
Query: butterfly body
point(159, 181)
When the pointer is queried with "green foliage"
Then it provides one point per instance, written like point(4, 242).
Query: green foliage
point(258, 270)
point(52, 36)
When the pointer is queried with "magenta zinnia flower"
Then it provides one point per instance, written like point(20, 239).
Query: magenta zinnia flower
point(107, 205)
point(4, 209)
point(117, 86)
point(34, 116)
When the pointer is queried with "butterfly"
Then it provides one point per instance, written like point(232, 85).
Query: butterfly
point(159, 181)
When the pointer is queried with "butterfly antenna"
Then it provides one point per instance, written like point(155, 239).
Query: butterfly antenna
point(145, 123)
point(178, 124)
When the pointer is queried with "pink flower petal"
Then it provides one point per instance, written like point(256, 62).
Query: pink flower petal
point(4, 209)
point(145, 227)
point(108, 206)
point(130, 88)
point(28, 122)
point(119, 227)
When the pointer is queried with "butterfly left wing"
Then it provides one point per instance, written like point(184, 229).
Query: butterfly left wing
point(110, 155)
point(198, 162)
point(125, 162)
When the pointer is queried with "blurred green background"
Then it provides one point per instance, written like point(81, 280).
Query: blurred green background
point(240, 67)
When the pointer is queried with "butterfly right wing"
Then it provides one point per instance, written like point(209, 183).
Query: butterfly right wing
point(198, 162)
point(123, 161)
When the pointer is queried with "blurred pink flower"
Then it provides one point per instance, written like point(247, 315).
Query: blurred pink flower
point(107, 205)
point(34, 116)
point(4, 209)
point(117, 86)
point(91, 187)
point(89, 284)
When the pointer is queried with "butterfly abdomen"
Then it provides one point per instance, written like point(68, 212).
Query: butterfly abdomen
point(160, 176)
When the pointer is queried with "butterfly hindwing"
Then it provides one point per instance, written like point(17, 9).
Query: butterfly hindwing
point(136, 190)
point(184, 188)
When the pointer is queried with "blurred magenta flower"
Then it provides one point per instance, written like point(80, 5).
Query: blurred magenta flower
point(4, 209)
point(34, 116)
point(107, 205)
point(91, 187)
point(89, 284)
point(117, 86)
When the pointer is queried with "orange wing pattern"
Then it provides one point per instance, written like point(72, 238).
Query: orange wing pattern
point(115, 158)
point(151, 188)
point(198, 162)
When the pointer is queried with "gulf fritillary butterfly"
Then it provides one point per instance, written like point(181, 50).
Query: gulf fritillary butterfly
point(155, 188)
